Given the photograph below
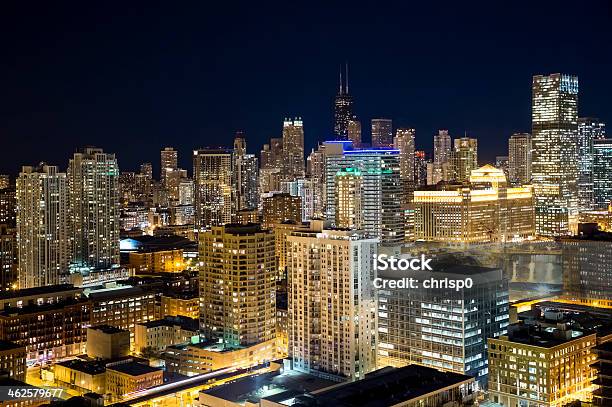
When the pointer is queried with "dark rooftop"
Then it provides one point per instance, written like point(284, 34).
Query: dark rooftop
point(6, 345)
point(133, 368)
point(88, 367)
point(182, 321)
point(385, 387)
point(27, 292)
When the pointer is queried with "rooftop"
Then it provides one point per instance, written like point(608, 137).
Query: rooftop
point(384, 387)
point(133, 368)
point(269, 385)
point(6, 345)
point(107, 329)
point(88, 367)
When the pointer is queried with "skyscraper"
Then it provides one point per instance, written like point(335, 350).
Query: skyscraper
point(354, 131)
point(602, 172)
point(293, 149)
point(382, 191)
point(332, 302)
point(519, 158)
point(169, 162)
point(246, 174)
point(442, 147)
point(589, 129)
point(420, 168)
point(464, 158)
point(8, 258)
point(555, 153)
point(349, 196)
point(343, 109)
point(93, 178)
point(213, 187)
point(382, 133)
point(42, 227)
point(404, 142)
point(237, 284)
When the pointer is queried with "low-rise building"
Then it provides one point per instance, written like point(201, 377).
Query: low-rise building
point(541, 365)
point(186, 304)
point(107, 342)
point(159, 334)
point(81, 376)
point(13, 360)
point(192, 359)
point(127, 377)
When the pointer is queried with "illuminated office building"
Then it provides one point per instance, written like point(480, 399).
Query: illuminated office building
point(307, 189)
point(343, 108)
point(538, 366)
point(443, 328)
point(237, 284)
point(349, 196)
point(293, 149)
point(486, 210)
point(602, 172)
point(587, 272)
point(382, 133)
point(42, 226)
point(442, 147)
point(589, 129)
point(555, 161)
point(280, 207)
point(212, 176)
point(332, 302)
point(245, 176)
point(464, 158)
point(5, 181)
point(354, 131)
point(94, 208)
point(185, 190)
point(381, 188)
point(519, 159)
point(316, 175)
point(168, 162)
point(404, 142)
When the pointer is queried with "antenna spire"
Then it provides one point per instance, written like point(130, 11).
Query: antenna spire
point(346, 86)
point(340, 88)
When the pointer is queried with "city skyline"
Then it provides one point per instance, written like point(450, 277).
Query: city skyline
point(148, 95)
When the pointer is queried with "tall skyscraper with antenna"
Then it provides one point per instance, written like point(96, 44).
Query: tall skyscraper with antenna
point(343, 108)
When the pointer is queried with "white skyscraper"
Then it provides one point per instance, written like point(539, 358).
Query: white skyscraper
point(332, 302)
point(42, 227)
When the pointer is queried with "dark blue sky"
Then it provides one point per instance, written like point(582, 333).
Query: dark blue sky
point(134, 78)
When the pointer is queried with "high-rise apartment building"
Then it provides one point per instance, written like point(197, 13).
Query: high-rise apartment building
point(404, 142)
point(519, 158)
point(246, 180)
point(93, 178)
point(555, 162)
point(349, 197)
point(354, 131)
point(589, 129)
point(486, 210)
point(382, 133)
point(293, 149)
point(213, 187)
point(332, 302)
point(343, 108)
point(8, 207)
point(602, 173)
point(440, 327)
point(8, 258)
point(43, 234)
point(464, 158)
point(237, 284)
point(168, 162)
point(381, 203)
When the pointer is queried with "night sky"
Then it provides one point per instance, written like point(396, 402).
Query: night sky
point(135, 78)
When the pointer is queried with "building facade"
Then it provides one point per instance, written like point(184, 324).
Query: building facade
point(519, 158)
